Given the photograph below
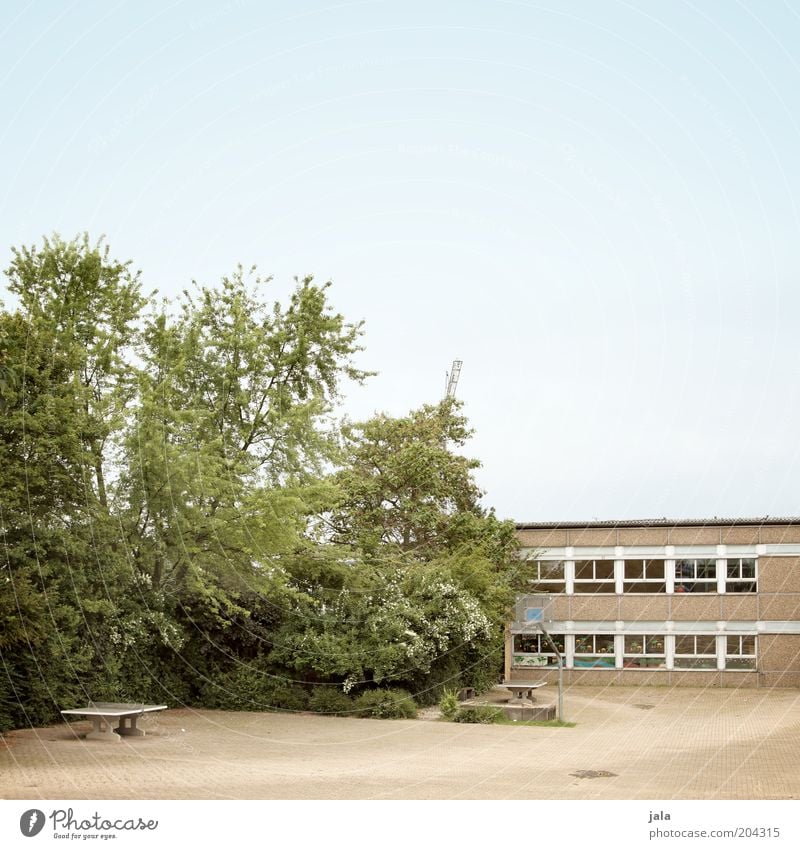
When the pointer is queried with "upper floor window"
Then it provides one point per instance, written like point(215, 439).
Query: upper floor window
point(644, 576)
point(594, 576)
point(741, 575)
point(695, 576)
point(547, 576)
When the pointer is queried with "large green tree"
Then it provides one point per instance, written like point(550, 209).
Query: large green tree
point(417, 576)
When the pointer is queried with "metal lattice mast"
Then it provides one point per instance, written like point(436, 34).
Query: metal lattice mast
point(452, 379)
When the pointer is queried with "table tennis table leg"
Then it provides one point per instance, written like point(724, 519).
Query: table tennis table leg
point(131, 730)
point(101, 730)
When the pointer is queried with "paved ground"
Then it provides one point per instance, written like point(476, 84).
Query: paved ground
point(659, 743)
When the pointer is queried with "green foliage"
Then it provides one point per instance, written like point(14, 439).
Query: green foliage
point(250, 687)
point(449, 704)
point(330, 700)
point(389, 703)
point(480, 714)
point(183, 521)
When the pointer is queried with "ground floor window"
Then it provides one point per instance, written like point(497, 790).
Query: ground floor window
point(695, 652)
point(644, 652)
point(637, 651)
point(740, 652)
point(534, 650)
point(594, 650)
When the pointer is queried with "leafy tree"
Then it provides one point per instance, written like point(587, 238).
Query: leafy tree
point(417, 577)
point(404, 484)
point(223, 454)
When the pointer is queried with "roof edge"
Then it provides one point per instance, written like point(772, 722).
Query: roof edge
point(662, 523)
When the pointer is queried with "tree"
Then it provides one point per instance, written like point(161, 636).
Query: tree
point(417, 579)
point(228, 438)
point(404, 484)
point(90, 304)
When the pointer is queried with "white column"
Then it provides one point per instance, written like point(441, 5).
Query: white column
point(721, 641)
point(722, 569)
point(619, 576)
point(569, 648)
point(569, 575)
point(619, 648)
point(669, 649)
point(669, 566)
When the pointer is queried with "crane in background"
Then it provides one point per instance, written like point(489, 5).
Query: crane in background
point(451, 379)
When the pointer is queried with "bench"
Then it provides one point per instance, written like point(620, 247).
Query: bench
point(104, 714)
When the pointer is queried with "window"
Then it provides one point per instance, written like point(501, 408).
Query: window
point(741, 575)
point(740, 652)
point(695, 652)
point(547, 576)
point(644, 652)
point(594, 576)
point(534, 650)
point(695, 576)
point(644, 576)
point(594, 650)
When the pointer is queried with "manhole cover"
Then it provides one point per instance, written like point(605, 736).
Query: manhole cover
point(593, 773)
point(644, 707)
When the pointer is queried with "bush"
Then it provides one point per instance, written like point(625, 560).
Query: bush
point(391, 703)
point(331, 701)
point(449, 705)
point(483, 714)
point(250, 687)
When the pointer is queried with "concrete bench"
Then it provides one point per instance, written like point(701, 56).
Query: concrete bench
point(105, 714)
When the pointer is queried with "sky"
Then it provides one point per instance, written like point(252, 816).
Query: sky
point(593, 205)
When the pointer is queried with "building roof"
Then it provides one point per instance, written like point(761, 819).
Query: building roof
point(663, 523)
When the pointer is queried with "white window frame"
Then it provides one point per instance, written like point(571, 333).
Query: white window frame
point(712, 656)
point(578, 582)
point(645, 580)
point(681, 579)
point(538, 579)
point(544, 650)
point(644, 653)
point(595, 654)
point(740, 655)
point(734, 581)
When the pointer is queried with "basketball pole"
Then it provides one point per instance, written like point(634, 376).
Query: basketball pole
point(560, 671)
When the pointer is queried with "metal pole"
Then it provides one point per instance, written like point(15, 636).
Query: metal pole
point(560, 671)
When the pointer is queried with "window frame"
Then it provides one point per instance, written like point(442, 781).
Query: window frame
point(595, 658)
point(538, 580)
point(740, 584)
point(578, 583)
point(648, 585)
point(741, 656)
point(629, 656)
point(682, 580)
point(559, 639)
point(676, 655)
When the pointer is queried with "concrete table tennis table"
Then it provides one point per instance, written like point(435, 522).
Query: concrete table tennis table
point(105, 714)
point(522, 689)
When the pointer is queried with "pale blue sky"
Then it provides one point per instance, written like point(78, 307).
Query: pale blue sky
point(593, 204)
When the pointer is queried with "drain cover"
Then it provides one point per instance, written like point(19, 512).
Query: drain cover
point(644, 707)
point(593, 773)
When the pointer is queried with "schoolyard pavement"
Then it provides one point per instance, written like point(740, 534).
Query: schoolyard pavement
point(629, 743)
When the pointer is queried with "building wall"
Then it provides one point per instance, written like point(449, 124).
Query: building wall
point(775, 606)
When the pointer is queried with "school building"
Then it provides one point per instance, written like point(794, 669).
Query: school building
point(693, 602)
